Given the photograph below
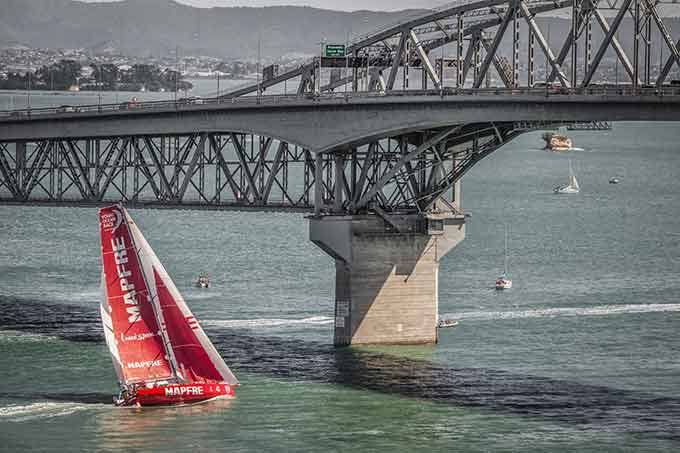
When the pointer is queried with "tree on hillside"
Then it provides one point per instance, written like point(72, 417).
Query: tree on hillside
point(145, 73)
point(59, 76)
point(105, 74)
point(172, 80)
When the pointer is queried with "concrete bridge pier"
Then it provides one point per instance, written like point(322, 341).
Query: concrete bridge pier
point(387, 274)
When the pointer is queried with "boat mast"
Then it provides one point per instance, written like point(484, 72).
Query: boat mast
point(505, 264)
point(156, 308)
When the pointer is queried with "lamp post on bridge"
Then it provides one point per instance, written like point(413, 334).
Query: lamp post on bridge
point(176, 73)
point(100, 86)
point(259, 68)
point(28, 92)
point(322, 43)
point(346, 62)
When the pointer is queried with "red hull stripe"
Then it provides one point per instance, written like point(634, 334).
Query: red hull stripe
point(182, 394)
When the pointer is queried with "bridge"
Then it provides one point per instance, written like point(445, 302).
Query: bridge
point(372, 143)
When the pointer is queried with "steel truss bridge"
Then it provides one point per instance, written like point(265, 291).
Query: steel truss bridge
point(224, 170)
point(362, 133)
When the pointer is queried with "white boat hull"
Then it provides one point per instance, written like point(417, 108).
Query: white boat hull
point(566, 189)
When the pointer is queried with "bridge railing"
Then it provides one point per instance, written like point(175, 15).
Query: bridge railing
point(189, 104)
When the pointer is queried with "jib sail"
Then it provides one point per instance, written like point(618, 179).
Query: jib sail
point(192, 353)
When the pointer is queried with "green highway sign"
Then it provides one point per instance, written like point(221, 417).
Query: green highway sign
point(335, 50)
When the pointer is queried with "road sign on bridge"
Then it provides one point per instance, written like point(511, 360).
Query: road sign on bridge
point(335, 50)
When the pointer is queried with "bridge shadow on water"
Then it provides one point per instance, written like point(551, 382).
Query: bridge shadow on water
point(588, 407)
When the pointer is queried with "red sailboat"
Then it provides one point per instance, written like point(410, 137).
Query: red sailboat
point(160, 353)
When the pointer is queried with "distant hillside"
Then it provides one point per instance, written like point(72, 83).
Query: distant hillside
point(143, 27)
point(157, 27)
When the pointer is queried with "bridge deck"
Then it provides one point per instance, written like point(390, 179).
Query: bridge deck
point(323, 123)
point(595, 94)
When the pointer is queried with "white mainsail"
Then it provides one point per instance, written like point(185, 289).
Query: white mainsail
point(573, 182)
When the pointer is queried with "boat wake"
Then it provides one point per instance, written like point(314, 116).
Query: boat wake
point(40, 410)
point(600, 310)
point(13, 336)
point(594, 408)
point(268, 323)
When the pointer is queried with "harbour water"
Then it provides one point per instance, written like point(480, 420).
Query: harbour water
point(583, 353)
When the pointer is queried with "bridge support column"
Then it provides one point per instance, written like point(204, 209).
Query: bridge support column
point(387, 274)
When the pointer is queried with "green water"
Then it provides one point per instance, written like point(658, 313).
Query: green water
point(582, 354)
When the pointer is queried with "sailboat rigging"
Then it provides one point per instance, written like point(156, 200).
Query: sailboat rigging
point(160, 353)
point(572, 187)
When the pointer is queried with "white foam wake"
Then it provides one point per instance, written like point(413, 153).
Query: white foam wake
point(600, 310)
point(269, 322)
point(20, 413)
point(13, 336)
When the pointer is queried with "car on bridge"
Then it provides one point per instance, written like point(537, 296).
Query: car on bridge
point(68, 109)
point(193, 100)
point(551, 87)
point(131, 104)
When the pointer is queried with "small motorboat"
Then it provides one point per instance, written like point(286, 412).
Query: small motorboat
point(203, 281)
point(503, 282)
point(160, 353)
point(614, 180)
point(444, 323)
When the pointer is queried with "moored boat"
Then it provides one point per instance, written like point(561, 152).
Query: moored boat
point(160, 353)
point(444, 323)
point(203, 281)
point(557, 142)
point(503, 282)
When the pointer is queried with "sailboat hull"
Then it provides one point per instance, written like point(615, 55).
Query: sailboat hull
point(567, 189)
point(178, 394)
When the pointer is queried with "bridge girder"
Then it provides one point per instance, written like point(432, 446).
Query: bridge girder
point(405, 173)
point(417, 41)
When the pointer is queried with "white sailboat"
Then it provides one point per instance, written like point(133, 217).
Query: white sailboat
point(572, 187)
point(504, 281)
